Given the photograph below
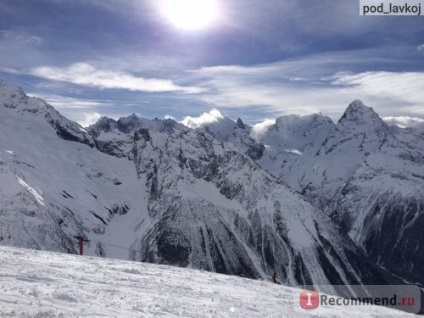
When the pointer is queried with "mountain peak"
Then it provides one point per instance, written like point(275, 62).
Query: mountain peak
point(361, 128)
point(104, 123)
point(358, 112)
point(299, 122)
point(6, 86)
point(129, 124)
point(357, 103)
point(240, 124)
point(11, 97)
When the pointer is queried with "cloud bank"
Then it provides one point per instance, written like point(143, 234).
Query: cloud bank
point(206, 118)
point(404, 121)
point(278, 89)
point(261, 128)
point(89, 119)
point(87, 75)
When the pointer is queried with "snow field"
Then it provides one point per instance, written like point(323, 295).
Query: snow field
point(45, 284)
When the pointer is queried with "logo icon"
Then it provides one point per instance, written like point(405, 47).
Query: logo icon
point(309, 299)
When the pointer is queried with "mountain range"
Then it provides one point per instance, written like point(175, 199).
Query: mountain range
point(368, 177)
point(316, 202)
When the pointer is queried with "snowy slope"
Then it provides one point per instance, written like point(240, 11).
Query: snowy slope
point(291, 142)
point(45, 284)
point(51, 189)
point(367, 176)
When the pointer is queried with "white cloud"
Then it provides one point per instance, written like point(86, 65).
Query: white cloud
point(33, 40)
point(261, 128)
point(295, 86)
point(403, 121)
point(420, 48)
point(86, 74)
point(62, 102)
point(89, 119)
point(169, 117)
point(20, 38)
point(405, 86)
point(277, 89)
point(9, 70)
point(206, 118)
point(240, 87)
point(83, 111)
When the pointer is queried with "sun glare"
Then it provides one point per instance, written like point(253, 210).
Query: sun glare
point(190, 14)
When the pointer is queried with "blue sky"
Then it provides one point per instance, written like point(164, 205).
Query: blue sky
point(257, 59)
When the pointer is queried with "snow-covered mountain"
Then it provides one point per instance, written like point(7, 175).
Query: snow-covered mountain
point(380, 198)
point(367, 176)
point(55, 184)
point(225, 129)
point(212, 206)
point(44, 284)
point(156, 191)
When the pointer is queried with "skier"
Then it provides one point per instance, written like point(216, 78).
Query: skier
point(274, 277)
point(241, 273)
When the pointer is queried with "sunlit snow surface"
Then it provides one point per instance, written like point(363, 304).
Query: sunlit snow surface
point(45, 284)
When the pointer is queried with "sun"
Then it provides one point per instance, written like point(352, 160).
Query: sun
point(190, 14)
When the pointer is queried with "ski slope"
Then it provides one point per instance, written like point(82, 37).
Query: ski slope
point(45, 284)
